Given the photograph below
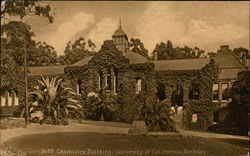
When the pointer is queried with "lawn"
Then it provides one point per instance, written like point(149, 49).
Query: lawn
point(103, 123)
point(123, 145)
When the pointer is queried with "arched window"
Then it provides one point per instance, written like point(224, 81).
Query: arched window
point(161, 92)
point(3, 100)
point(194, 91)
point(194, 118)
point(216, 92)
point(224, 89)
point(16, 99)
point(108, 80)
point(138, 85)
point(177, 96)
point(116, 81)
point(78, 87)
point(9, 98)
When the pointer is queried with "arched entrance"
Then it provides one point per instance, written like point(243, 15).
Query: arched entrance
point(177, 105)
point(161, 92)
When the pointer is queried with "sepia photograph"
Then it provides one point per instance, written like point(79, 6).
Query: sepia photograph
point(124, 78)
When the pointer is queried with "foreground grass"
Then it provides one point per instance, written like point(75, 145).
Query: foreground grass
point(103, 123)
point(123, 145)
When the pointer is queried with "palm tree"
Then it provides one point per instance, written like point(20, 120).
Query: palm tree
point(157, 116)
point(54, 100)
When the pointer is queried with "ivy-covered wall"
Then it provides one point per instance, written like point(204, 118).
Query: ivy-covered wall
point(129, 101)
point(202, 106)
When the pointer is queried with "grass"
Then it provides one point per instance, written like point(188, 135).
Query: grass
point(103, 123)
point(122, 145)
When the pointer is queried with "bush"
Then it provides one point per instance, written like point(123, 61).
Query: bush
point(157, 116)
point(103, 106)
point(10, 122)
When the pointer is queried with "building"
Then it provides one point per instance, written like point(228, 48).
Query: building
point(229, 65)
point(189, 84)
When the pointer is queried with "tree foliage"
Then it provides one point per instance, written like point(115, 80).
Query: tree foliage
point(238, 52)
point(157, 116)
point(42, 54)
point(77, 51)
point(138, 47)
point(54, 100)
point(166, 51)
point(14, 36)
point(236, 122)
point(22, 8)
point(101, 106)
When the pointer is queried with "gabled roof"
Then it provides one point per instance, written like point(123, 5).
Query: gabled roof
point(119, 32)
point(46, 70)
point(227, 60)
point(84, 61)
point(181, 64)
point(134, 57)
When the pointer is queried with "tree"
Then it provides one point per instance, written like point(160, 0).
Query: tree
point(138, 47)
point(236, 121)
point(166, 51)
point(77, 50)
point(22, 8)
point(14, 36)
point(239, 50)
point(54, 100)
point(161, 50)
point(91, 45)
point(42, 55)
point(157, 114)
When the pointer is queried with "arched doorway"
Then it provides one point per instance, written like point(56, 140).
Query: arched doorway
point(177, 96)
point(177, 105)
point(161, 92)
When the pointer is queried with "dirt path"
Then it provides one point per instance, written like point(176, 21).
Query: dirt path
point(72, 127)
point(85, 127)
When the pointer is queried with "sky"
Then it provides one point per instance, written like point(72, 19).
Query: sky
point(206, 25)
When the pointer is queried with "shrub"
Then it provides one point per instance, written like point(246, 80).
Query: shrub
point(102, 106)
point(157, 116)
point(10, 122)
point(54, 101)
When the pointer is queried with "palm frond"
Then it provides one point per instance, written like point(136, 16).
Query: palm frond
point(72, 106)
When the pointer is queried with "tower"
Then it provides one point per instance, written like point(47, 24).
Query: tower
point(120, 39)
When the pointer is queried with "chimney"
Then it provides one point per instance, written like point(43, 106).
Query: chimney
point(224, 48)
point(155, 56)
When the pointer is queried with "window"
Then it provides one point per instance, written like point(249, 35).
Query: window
point(100, 80)
point(3, 100)
point(194, 118)
point(108, 83)
point(138, 86)
point(216, 116)
point(177, 96)
point(116, 81)
point(194, 92)
point(16, 99)
point(78, 87)
point(161, 92)
point(215, 92)
point(224, 88)
point(9, 99)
